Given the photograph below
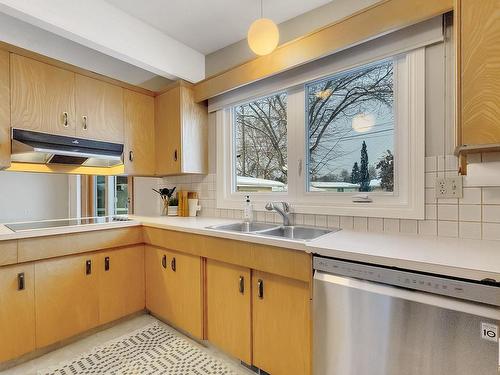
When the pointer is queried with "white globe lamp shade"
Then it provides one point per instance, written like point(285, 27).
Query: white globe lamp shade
point(362, 123)
point(263, 36)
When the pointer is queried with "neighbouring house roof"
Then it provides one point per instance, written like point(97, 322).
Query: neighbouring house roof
point(261, 182)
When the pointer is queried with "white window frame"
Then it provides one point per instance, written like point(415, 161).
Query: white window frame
point(407, 201)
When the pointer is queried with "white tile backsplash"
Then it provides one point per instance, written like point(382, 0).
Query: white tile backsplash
point(491, 195)
point(475, 216)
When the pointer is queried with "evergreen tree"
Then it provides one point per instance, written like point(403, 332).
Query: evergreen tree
point(355, 174)
point(364, 176)
point(386, 167)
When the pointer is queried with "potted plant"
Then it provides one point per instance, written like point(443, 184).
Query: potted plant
point(173, 205)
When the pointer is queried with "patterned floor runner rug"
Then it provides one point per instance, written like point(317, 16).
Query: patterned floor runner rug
point(153, 349)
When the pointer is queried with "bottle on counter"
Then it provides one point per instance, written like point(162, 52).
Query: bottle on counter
point(248, 210)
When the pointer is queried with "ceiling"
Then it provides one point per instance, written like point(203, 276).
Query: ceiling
point(209, 25)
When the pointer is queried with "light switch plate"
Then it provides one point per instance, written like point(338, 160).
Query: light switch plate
point(449, 187)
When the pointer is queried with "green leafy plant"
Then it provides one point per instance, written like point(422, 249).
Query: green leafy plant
point(173, 201)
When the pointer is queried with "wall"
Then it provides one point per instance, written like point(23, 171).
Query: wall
point(239, 52)
point(32, 196)
point(475, 216)
point(146, 201)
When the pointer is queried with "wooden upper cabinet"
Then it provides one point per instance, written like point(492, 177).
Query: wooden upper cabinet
point(99, 110)
point(281, 324)
point(228, 310)
point(139, 117)
point(42, 97)
point(17, 312)
point(181, 132)
point(4, 110)
point(121, 282)
point(479, 81)
point(66, 297)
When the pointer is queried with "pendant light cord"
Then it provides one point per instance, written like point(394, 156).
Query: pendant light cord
point(261, 9)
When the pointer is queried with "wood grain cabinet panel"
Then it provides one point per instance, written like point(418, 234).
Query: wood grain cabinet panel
point(121, 282)
point(17, 311)
point(228, 310)
point(99, 110)
point(67, 297)
point(4, 110)
point(479, 41)
point(281, 324)
point(174, 289)
point(181, 132)
point(139, 117)
point(42, 97)
point(156, 282)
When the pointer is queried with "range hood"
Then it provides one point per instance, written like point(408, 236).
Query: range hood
point(41, 148)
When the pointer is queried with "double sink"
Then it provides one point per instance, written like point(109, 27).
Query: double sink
point(289, 232)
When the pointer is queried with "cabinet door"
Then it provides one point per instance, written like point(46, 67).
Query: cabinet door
point(281, 324)
point(99, 110)
point(4, 110)
point(228, 308)
point(156, 263)
point(168, 132)
point(174, 289)
point(17, 311)
point(480, 65)
point(185, 293)
point(121, 282)
point(139, 119)
point(66, 297)
point(42, 97)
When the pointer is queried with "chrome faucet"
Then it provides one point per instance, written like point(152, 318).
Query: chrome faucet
point(284, 210)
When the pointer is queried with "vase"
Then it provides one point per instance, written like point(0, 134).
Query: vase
point(172, 210)
point(164, 210)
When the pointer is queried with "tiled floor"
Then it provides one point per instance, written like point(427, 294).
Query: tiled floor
point(74, 350)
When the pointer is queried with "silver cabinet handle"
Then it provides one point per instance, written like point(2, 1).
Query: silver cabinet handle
point(65, 119)
point(84, 122)
point(131, 155)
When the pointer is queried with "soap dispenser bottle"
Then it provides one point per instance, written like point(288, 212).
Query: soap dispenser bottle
point(248, 210)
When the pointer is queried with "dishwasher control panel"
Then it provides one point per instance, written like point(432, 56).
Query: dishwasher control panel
point(468, 290)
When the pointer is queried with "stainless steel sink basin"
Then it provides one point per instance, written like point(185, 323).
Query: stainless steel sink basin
point(297, 233)
point(244, 227)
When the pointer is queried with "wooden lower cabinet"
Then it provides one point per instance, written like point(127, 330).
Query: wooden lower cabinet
point(67, 297)
point(281, 324)
point(174, 289)
point(228, 296)
point(121, 282)
point(17, 311)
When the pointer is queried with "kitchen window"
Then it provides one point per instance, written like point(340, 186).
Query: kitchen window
point(350, 142)
point(350, 130)
point(260, 144)
point(111, 195)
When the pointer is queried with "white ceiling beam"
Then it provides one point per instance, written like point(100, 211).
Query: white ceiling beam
point(100, 26)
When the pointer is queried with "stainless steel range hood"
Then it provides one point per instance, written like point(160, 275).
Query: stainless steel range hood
point(41, 148)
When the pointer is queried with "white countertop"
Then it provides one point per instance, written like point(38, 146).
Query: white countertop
point(472, 259)
point(7, 234)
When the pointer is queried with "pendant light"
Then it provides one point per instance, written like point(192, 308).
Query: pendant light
point(263, 35)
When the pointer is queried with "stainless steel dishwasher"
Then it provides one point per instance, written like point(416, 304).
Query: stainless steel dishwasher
point(371, 320)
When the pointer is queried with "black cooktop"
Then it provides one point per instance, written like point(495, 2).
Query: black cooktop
point(18, 227)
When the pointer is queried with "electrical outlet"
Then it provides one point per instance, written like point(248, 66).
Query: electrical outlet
point(449, 187)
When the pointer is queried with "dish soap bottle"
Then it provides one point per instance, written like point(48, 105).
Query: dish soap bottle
point(248, 210)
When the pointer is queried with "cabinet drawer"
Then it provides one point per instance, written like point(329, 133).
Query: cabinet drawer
point(8, 252)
